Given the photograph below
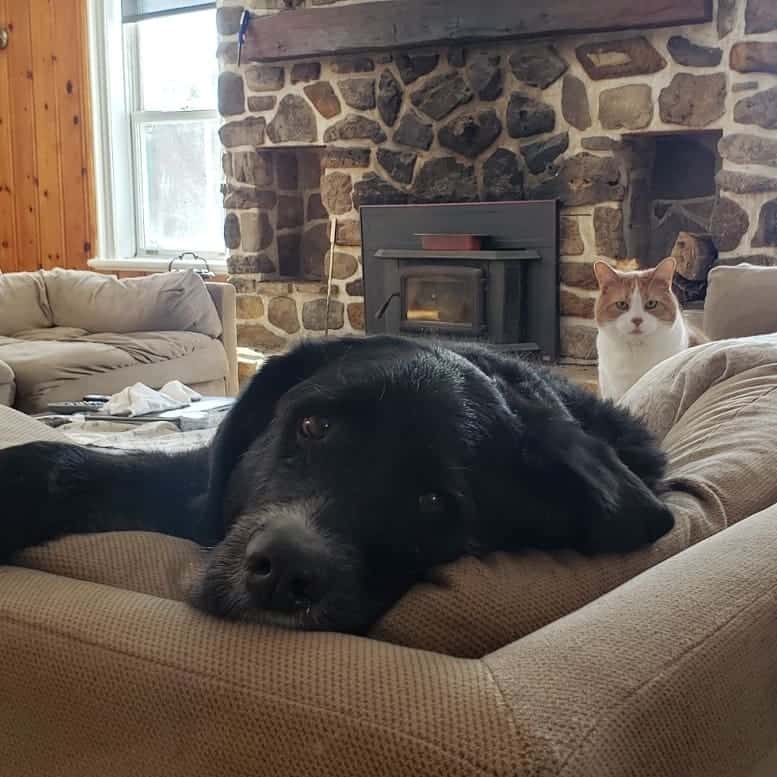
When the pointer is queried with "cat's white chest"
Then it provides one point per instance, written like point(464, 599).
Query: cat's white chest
point(623, 360)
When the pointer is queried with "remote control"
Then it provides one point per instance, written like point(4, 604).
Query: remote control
point(70, 408)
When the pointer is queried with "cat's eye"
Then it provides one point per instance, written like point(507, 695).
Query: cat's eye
point(651, 304)
point(314, 427)
point(621, 304)
point(431, 503)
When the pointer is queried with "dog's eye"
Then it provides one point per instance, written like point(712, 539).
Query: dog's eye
point(622, 305)
point(651, 304)
point(431, 503)
point(314, 428)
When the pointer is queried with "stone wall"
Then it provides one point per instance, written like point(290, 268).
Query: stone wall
point(490, 122)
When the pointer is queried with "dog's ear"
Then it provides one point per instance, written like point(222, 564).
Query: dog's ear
point(255, 408)
point(569, 489)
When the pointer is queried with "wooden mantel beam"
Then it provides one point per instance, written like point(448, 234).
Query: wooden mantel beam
point(396, 24)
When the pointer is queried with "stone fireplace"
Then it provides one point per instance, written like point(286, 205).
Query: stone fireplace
point(638, 133)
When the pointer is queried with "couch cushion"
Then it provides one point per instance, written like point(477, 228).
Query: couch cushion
point(715, 407)
point(48, 371)
point(23, 302)
point(741, 301)
point(163, 302)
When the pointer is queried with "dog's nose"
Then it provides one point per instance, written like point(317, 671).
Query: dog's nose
point(283, 576)
point(637, 322)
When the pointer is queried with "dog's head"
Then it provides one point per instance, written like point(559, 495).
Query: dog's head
point(349, 469)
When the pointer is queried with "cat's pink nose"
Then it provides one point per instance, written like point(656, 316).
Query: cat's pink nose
point(637, 322)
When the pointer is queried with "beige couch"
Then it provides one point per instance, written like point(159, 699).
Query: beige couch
point(66, 333)
point(660, 663)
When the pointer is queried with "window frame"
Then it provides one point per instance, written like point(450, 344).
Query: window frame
point(118, 120)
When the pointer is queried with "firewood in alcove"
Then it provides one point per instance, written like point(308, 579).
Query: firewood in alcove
point(695, 255)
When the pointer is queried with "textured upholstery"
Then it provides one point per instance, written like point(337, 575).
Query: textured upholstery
point(673, 673)
point(716, 409)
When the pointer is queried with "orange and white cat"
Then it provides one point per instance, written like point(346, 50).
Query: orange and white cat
point(640, 324)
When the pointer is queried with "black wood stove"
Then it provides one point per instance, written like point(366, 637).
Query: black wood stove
point(481, 271)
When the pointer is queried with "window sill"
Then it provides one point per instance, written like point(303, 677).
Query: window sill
point(154, 264)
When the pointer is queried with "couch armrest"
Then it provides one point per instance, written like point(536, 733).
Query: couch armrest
point(7, 384)
point(98, 681)
point(224, 298)
point(673, 673)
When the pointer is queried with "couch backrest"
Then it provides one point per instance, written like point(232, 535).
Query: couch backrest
point(24, 302)
point(175, 301)
point(741, 301)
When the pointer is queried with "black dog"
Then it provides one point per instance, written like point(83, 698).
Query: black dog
point(348, 469)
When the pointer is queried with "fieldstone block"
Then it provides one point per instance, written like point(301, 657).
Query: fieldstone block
point(414, 133)
point(398, 164)
point(626, 107)
point(471, 134)
point(760, 16)
point(335, 156)
point(526, 116)
point(358, 64)
point(282, 312)
point(389, 99)
point(348, 233)
point(358, 93)
point(729, 224)
point(445, 180)
point(766, 233)
point(743, 149)
point(249, 264)
point(231, 96)
point(254, 168)
point(355, 288)
point(262, 102)
point(314, 315)
point(355, 127)
point(232, 231)
point(570, 239)
point(754, 57)
point(579, 274)
point(583, 179)
point(374, 190)
point(345, 266)
point(537, 64)
point(573, 305)
point(356, 315)
point(691, 54)
point(323, 97)
point(574, 103)
point(620, 58)
point(608, 229)
point(694, 101)
point(246, 132)
point(441, 95)
point(578, 341)
point(265, 78)
point(503, 177)
point(745, 183)
point(249, 198)
point(760, 109)
point(249, 306)
point(541, 154)
point(412, 66)
point(304, 72)
point(257, 232)
point(294, 122)
point(485, 75)
point(315, 246)
point(228, 20)
point(727, 14)
point(259, 337)
point(336, 191)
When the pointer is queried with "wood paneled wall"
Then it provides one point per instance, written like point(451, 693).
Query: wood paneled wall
point(47, 210)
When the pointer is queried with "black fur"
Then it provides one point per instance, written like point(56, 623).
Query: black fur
point(341, 526)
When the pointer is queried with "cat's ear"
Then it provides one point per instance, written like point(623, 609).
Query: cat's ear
point(604, 274)
point(665, 270)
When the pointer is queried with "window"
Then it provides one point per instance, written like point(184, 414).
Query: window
point(161, 154)
point(171, 61)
